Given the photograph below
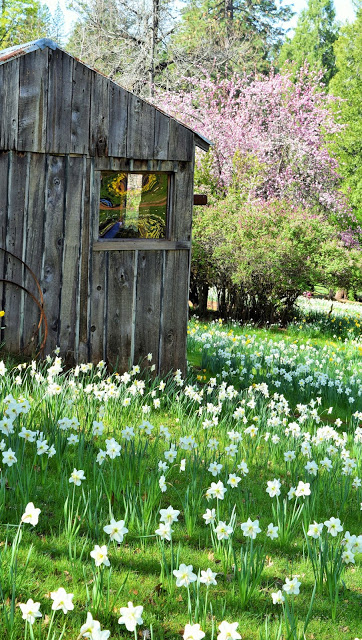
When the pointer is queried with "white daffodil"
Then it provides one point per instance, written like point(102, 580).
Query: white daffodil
point(303, 489)
point(31, 514)
point(193, 632)
point(209, 516)
point(90, 628)
point(184, 575)
point(273, 487)
point(130, 616)
point(250, 529)
point(233, 480)
point(169, 515)
point(228, 631)
point(30, 611)
point(9, 457)
point(116, 530)
point(278, 597)
point(215, 468)
point(164, 531)
point(208, 577)
point(99, 555)
point(76, 477)
point(315, 530)
point(272, 531)
point(334, 526)
point(291, 586)
point(217, 490)
point(223, 531)
point(162, 484)
point(62, 600)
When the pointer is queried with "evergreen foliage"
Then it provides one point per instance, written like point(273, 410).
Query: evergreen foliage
point(313, 39)
point(347, 83)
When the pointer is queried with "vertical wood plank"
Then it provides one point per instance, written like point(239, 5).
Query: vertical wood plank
point(2, 100)
point(181, 142)
point(120, 308)
point(59, 102)
point(148, 305)
point(17, 193)
point(182, 206)
point(53, 245)
point(10, 100)
point(162, 132)
point(99, 120)
point(33, 99)
point(97, 279)
point(140, 129)
point(82, 349)
point(80, 108)
point(32, 251)
point(69, 305)
point(117, 135)
point(4, 170)
point(98, 303)
point(174, 311)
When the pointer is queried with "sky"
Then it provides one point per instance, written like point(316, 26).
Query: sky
point(344, 11)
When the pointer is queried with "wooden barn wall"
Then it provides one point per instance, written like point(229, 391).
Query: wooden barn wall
point(37, 190)
point(115, 305)
point(60, 125)
point(52, 103)
point(139, 298)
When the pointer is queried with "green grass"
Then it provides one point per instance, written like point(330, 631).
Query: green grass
point(126, 485)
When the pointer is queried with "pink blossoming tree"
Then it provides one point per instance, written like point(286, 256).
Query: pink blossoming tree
point(285, 125)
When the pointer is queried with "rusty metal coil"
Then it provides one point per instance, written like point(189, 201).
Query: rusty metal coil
point(39, 303)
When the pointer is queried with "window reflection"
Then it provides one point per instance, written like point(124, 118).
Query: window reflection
point(133, 205)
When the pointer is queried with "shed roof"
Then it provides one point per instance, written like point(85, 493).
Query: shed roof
point(23, 49)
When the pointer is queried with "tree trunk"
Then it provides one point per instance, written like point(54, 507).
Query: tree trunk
point(203, 295)
point(153, 45)
point(341, 294)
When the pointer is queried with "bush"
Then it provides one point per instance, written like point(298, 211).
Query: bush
point(262, 255)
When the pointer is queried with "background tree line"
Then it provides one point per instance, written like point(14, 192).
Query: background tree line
point(284, 176)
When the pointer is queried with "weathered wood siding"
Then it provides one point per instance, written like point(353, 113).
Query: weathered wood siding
point(50, 102)
point(61, 124)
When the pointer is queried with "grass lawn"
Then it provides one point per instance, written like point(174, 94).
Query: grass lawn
point(258, 405)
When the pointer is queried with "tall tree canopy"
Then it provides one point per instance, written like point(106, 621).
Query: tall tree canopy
point(229, 36)
point(22, 21)
point(313, 39)
point(147, 42)
point(126, 40)
point(347, 83)
point(284, 123)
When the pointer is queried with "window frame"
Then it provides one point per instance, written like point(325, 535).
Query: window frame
point(118, 244)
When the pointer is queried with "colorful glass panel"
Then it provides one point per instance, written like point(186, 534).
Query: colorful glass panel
point(133, 205)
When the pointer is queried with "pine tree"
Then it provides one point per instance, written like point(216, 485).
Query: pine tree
point(228, 36)
point(347, 83)
point(58, 25)
point(22, 21)
point(313, 39)
point(124, 39)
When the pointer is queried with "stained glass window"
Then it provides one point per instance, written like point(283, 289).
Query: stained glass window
point(133, 205)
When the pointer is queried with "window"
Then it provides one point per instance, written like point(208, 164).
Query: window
point(133, 205)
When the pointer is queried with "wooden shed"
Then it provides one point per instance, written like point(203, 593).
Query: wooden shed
point(96, 198)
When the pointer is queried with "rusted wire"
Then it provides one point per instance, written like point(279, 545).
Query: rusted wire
point(40, 305)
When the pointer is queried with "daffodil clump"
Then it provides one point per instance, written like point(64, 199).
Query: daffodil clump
point(222, 508)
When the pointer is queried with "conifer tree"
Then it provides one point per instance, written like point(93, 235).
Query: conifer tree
point(347, 83)
point(313, 40)
point(22, 21)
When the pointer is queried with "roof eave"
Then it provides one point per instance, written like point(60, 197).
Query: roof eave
point(20, 50)
point(202, 143)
